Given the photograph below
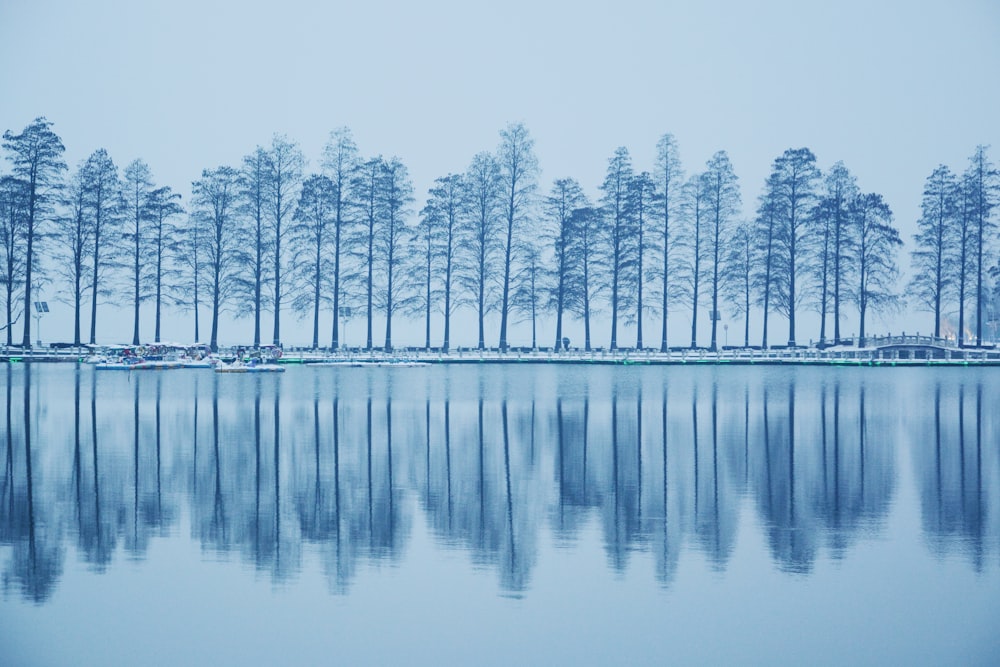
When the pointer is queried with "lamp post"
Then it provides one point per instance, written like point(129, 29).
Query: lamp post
point(41, 307)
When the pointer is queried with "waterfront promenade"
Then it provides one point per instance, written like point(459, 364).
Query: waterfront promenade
point(901, 350)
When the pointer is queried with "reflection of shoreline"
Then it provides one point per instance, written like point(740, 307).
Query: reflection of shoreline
point(660, 461)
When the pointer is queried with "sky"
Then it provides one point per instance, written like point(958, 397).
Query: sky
point(891, 88)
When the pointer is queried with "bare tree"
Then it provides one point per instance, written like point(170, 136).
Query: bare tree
point(310, 239)
point(641, 195)
point(765, 250)
point(215, 200)
point(395, 197)
point(586, 249)
point(932, 278)
point(693, 234)
point(982, 177)
point(619, 235)
point(136, 188)
point(104, 190)
point(738, 273)
point(527, 285)
point(796, 177)
point(722, 200)
point(481, 236)
point(877, 244)
point(436, 236)
point(963, 260)
point(669, 182)
point(36, 154)
point(164, 242)
point(365, 194)
point(255, 247)
point(834, 244)
point(518, 177)
point(13, 226)
point(565, 197)
point(284, 175)
point(340, 158)
point(190, 258)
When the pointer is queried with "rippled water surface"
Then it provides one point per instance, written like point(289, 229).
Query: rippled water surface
point(519, 514)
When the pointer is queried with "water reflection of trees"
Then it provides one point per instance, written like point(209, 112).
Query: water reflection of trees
point(656, 462)
point(955, 456)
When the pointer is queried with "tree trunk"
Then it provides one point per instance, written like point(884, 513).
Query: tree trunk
point(371, 261)
point(638, 308)
point(666, 267)
point(93, 289)
point(334, 337)
point(427, 307)
point(447, 301)
point(388, 306)
point(715, 289)
point(215, 312)
point(135, 285)
point(836, 278)
point(28, 260)
point(257, 287)
point(76, 309)
point(316, 293)
point(159, 279)
point(482, 304)
point(506, 277)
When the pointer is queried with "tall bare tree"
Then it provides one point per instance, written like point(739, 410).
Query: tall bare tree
point(137, 184)
point(481, 237)
point(255, 247)
point(641, 195)
point(190, 259)
point(285, 164)
point(395, 197)
point(765, 250)
point(932, 278)
point(340, 158)
point(436, 235)
point(834, 244)
point(982, 177)
point(310, 236)
point(565, 197)
point(365, 189)
point(164, 205)
point(36, 154)
point(694, 240)
point(586, 248)
point(619, 235)
point(526, 299)
point(722, 200)
point(215, 199)
point(13, 225)
point(669, 182)
point(877, 243)
point(104, 194)
point(796, 179)
point(518, 177)
point(738, 273)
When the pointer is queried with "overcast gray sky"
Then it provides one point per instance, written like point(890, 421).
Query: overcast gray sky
point(891, 88)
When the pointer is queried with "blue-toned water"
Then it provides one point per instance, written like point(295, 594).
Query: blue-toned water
point(519, 514)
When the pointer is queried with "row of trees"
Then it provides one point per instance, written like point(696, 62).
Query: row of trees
point(954, 256)
point(267, 236)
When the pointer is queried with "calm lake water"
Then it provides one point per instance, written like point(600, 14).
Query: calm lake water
point(513, 514)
